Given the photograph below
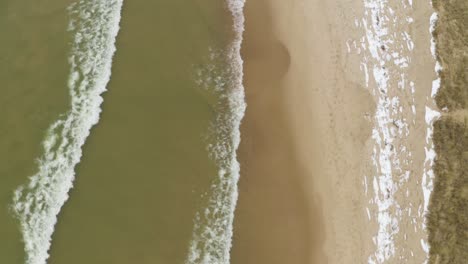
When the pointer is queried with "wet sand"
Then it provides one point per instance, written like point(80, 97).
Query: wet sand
point(274, 219)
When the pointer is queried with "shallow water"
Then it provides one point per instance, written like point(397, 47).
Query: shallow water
point(145, 169)
point(33, 70)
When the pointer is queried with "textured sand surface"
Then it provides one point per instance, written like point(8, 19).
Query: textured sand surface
point(307, 141)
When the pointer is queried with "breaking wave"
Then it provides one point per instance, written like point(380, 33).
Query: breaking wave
point(94, 25)
point(213, 228)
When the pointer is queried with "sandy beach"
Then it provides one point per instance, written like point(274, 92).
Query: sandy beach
point(307, 169)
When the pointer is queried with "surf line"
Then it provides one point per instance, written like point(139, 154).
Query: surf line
point(94, 25)
point(213, 226)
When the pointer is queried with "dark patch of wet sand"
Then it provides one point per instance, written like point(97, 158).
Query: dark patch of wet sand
point(273, 219)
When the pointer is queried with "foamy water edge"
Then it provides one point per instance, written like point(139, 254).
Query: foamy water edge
point(94, 25)
point(213, 226)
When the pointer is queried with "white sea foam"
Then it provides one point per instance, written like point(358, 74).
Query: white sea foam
point(213, 227)
point(94, 25)
point(388, 57)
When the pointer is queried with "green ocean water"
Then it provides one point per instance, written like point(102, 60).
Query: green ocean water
point(145, 169)
point(33, 70)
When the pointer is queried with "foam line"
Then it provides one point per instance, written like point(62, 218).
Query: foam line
point(94, 25)
point(213, 228)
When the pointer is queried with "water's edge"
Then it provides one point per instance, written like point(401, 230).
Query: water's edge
point(213, 226)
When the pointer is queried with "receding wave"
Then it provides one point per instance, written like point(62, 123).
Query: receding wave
point(213, 228)
point(94, 25)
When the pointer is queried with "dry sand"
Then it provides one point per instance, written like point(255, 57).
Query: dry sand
point(305, 146)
